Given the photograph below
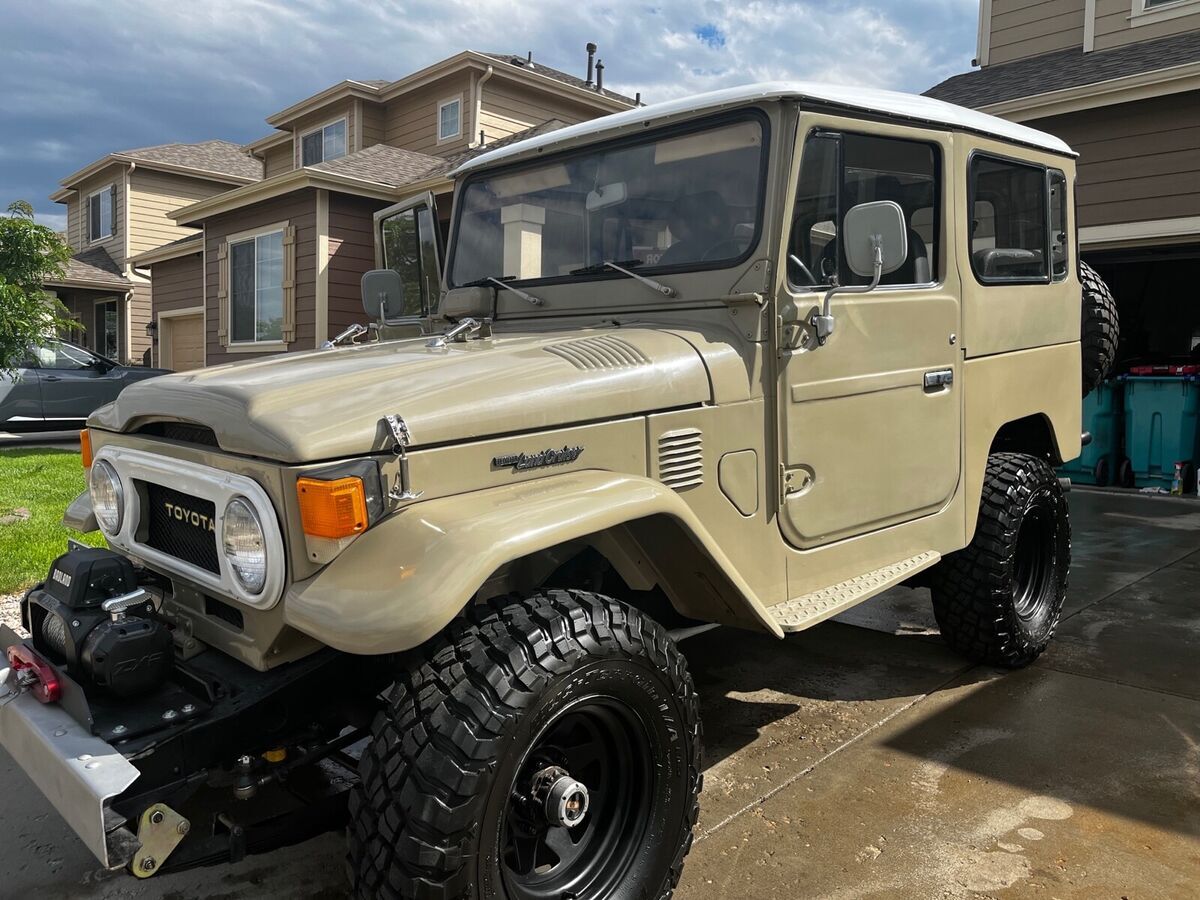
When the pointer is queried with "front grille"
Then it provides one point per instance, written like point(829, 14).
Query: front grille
point(181, 431)
point(181, 526)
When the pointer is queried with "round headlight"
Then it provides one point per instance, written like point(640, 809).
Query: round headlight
point(108, 498)
point(245, 545)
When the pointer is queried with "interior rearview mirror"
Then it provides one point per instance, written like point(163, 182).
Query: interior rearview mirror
point(606, 195)
point(869, 225)
point(383, 295)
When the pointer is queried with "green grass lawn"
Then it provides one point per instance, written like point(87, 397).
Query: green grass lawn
point(44, 482)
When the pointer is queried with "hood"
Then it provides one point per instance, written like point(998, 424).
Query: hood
point(303, 407)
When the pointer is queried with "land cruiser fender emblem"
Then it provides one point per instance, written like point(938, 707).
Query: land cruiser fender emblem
point(519, 462)
point(402, 489)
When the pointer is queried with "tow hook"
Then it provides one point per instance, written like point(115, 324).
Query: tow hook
point(160, 830)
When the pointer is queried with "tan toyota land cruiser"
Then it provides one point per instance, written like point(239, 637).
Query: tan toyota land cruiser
point(746, 359)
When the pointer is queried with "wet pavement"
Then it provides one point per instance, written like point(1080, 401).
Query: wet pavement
point(864, 759)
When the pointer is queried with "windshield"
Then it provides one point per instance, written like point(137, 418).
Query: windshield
point(675, 202)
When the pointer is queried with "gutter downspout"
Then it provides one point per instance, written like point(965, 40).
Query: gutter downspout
point(477, 112)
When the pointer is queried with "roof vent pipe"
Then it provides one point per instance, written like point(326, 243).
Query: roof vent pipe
point(637, 99)
point(591, 52)
point(529, 59)
point(599, 75)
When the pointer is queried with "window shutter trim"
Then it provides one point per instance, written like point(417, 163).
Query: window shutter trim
point(112, 209)
point(289, 284)
point(223, 293)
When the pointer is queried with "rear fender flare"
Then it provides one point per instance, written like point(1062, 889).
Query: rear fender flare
point(405, 579)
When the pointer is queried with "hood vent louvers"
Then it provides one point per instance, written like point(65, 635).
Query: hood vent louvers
point(681, 458)
point(600, 352)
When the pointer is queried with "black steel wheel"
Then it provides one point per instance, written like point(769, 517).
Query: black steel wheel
point(545, 747)
point(999, 599)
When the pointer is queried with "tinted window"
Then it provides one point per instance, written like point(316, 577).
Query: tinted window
point(1009, 233)
point(839, 172)
point(55, 355)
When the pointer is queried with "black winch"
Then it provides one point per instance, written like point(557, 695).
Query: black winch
point(91, 617)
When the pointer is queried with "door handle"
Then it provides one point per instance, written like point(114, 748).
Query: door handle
point(52, 378)
point(939, 378)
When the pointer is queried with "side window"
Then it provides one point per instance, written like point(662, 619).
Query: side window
point(54, 355)
point(1059, 236)
point(409, 247)
point(1010, 228)
point(839, 172)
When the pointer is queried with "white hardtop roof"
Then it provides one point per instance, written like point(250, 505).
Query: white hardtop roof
point(892, 103)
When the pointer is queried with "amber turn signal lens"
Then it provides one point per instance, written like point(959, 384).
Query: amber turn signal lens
point(332, 509)
point(85, 447)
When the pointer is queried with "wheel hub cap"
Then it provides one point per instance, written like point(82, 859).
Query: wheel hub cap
point(561, 799)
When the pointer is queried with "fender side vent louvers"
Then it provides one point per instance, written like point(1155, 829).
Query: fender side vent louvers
point(600, 352)
point(681, 458)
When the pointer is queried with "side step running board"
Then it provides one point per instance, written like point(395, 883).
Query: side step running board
point(809, 609)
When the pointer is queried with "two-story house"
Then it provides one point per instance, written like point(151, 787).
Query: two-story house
point(117, 208)
point(1119, 80)
point(280, 261)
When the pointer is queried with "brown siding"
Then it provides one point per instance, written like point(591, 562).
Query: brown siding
point(77, 227)
point(508, 107)
point(1023, 28)
point(373, 131)
point(351, 253)
point(277, 160)
point(1137, 161)
point(176, 284)
point(153, 196)
point(325, 116)
point(1114, 28)
point(298, 209)
point(410, 121)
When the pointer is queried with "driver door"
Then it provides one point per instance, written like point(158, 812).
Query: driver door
point(75, 383)
point(408, 240)
point(870, 422)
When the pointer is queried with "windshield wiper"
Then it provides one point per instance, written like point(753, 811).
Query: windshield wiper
point(605, 266)
point(489, 279)
point(658, 286)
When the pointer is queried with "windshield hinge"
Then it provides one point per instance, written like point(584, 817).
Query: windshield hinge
point(402, 489)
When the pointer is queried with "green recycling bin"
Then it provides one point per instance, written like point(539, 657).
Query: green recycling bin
point(1161, 418)
point(1099, 462)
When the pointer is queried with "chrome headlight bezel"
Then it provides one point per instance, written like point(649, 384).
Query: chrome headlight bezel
point(103, 477)
point(240, 511)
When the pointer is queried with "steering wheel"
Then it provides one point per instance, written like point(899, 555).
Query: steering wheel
point(797, 261)
point(720, 250)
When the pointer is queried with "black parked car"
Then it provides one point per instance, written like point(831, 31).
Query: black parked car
point(59, 385)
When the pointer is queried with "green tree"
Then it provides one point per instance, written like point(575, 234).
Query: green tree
point(30, 255)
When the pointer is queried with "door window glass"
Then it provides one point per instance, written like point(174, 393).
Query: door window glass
point(839, 172)
point(1058, 224)
point(402, 252)
point(57, 355)
point(1009, 232)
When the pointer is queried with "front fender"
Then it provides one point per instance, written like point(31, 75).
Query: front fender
point(403, 581)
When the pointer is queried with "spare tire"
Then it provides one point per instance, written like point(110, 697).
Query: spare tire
point(1098, 328)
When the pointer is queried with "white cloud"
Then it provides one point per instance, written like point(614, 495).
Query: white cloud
point(52, 220)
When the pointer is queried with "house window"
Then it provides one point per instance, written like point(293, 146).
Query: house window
point(323, 144)
point(100, 214)
point(1012, 209)
point(256, 289)
point(449, 119)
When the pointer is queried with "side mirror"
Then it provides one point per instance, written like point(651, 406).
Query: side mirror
point(875, 238)
point(383, 295)
point(875, 225)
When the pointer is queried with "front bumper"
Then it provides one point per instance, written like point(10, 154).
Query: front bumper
point(78, 773)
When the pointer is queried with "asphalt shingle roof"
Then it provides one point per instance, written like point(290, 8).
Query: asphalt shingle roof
point(521, 62)
point(383, 164)
point(1065, 69)
point(93, 266)
point(219, 157)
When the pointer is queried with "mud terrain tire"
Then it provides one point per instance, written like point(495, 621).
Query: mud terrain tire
point(998, 600)
point(447, 805)
point(1098, 329)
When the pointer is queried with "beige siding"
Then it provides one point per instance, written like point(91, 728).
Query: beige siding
point(351, 253)
point(509, 107)
point(1137, 161)
point(76, 218)
point(153, 196)
point(298, 209)
point(410, 121)
point(1023, 28)
point(373, 131)
point(1114, 27)
point(324, 116)
point(277, 160)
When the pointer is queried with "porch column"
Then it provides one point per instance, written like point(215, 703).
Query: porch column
point(523, 239)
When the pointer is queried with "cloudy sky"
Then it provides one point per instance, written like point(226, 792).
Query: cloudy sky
point(81, 79)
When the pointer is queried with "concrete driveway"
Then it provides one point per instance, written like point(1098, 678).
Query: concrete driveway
point(863, 759)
